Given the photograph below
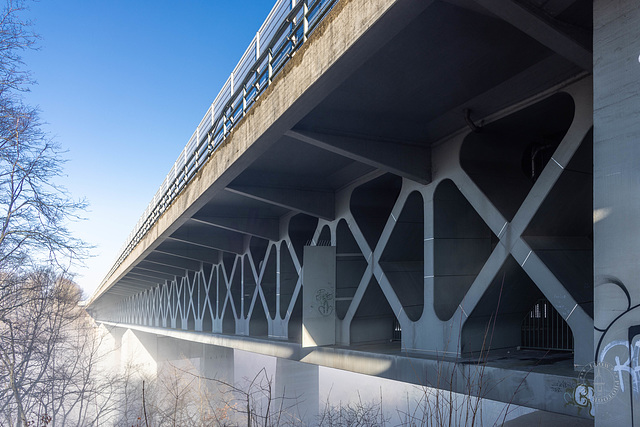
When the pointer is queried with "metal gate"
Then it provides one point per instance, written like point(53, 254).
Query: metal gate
point(544, 328)
point(397, 331)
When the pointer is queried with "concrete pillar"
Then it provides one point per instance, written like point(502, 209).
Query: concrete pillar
point(217, 363)
point(139, 351)
point(170, 349)
point(297, 385)
point(111, 343)
point(318, 296)
point(616, 44)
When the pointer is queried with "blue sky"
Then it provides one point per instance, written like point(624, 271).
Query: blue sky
point(122, 85)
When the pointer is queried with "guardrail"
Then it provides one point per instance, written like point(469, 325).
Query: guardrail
point(286, 28)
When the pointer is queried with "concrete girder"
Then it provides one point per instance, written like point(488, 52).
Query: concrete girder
point(172, 271)
point(188, 252)
point(129, 291)
point(121, 293)
point(407, 160)
point(483, 106)
point(175, 261)
point(158, 277)
point(318, 203)
point(549, 32)
point(226, 243)
point(127, 287)
point(265, 228)
point(134, 279)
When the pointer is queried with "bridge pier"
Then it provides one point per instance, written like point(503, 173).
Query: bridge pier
point(298, 385)
point(139, 352)
point(616, 46)
point(218, 363)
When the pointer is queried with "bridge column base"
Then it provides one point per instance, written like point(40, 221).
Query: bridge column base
point(279, 328)
point(298, 385)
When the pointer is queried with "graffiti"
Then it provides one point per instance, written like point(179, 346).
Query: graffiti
point(629, 366)
point(582, 396)
point(325, 298)
point(622, 354)
point(618, 346)
point(597, 383)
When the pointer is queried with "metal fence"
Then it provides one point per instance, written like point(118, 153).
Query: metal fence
point(287, 27)
point(397, 331)
point(544, 328)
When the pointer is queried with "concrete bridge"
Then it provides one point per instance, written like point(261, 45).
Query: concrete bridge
point(398, 188)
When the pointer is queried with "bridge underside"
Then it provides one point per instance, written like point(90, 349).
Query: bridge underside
point(447, 154)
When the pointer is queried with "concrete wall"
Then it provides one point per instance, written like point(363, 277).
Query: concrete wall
point(616, 210)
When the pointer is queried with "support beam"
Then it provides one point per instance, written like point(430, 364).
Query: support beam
point(188, 252)
point(221, 244)
point(134, 279)
point(153, 274)
point(125, 286)
point(318, 203)
point(501, 98)
point(154, 277)
point(172, 271)
point(265, 228)
point(160, 258)
point(407, 160)
point(544, 29)
point(121, 293)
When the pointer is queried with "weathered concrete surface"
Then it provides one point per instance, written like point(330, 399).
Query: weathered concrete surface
point(617, 208)
point(318, 296)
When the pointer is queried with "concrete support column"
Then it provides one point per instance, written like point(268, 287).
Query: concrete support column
point(298, 385)
point(242, 326)
point(616, 177)
point(139, 350)
point(112, 343)
point(217, 326)
point(217, 363)
point(278, 328)
point(170, 349)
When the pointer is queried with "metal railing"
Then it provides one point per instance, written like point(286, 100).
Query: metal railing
point(286, 28)
point(544, 328)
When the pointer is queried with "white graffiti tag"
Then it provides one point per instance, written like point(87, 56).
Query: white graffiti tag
point(630, 366)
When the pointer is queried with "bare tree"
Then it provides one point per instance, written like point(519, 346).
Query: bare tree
point(83, 384)
point(30, 334)
point(34, 210)
point(40, 342)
